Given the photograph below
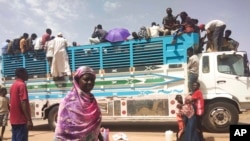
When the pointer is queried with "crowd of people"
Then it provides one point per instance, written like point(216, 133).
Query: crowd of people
point(81, 104)
point(189, 116)
point(213, 38)
point(55, 48)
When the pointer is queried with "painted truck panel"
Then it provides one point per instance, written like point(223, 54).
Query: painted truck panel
point(137, 80)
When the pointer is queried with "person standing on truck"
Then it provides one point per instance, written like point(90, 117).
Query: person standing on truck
point(216, 29)
point(4, 110)
point(20, 116)
point(50, 50)
point(4, 47)
point(30, 45)
point(79, 117)
point(198, 100)
point(60, 62)
point(9, 48)
point(193, 68)
point(46, 37)
point(23, 42)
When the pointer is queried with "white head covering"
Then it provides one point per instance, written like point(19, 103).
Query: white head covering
point(59, 34)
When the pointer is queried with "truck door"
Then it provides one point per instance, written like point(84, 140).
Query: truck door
point(231, 77)
point(206, 74)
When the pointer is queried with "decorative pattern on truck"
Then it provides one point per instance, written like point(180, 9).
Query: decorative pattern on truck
point(136, 79)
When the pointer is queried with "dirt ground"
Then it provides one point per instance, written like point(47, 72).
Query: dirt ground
point(41, 131)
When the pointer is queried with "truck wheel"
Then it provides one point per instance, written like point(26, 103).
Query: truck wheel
point(52, 118)
point(219, 115)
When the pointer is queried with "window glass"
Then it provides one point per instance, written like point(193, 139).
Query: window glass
point(231, 64)
point(205, 64)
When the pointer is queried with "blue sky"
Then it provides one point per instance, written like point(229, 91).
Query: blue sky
point(76, 19)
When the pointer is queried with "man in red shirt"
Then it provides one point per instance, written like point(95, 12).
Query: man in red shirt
point(20, 117)
point(197, 97)
point(46, 37)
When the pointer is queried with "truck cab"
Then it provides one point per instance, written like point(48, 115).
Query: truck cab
point(225, 83)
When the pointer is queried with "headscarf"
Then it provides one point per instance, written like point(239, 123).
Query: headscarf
point(79, 117)
point(78, 74)
point(143, 32)
point(188, 108)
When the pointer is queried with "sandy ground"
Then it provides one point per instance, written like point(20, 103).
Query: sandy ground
point(41, 131)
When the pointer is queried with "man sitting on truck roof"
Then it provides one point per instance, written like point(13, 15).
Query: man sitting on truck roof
point(154, 30)
point(169, 22)
point(98, 35)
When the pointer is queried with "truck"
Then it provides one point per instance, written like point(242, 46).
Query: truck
point(137, 81)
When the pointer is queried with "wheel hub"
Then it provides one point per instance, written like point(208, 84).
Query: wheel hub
point(220, 116)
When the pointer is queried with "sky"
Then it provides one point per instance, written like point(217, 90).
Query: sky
point(76, 19)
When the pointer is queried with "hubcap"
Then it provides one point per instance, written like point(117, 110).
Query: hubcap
point(220, 116)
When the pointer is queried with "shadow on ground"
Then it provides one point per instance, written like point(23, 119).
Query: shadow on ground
point(41, 127)
point(129, 127)
point(142, 127)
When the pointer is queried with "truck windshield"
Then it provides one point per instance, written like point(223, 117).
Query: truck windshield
point(231, 64)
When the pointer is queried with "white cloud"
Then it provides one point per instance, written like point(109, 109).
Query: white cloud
point(28, 21)
point(50, 23)
point(3, 1)
point(64, 10)
point(111, 6)
point(52, 6)
point(17, 5)
point(38, 11)
point(91, 16)
point(34, 3)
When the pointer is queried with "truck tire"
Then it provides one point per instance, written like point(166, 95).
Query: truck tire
point(219, 115)
point(52, 118)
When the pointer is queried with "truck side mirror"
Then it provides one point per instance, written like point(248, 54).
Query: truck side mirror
point(246, 66)
point(247, 72)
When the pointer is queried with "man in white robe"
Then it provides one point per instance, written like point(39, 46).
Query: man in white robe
point(60, 63)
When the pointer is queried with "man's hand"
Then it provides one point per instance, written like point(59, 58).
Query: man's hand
point(30, 124)
point(208, 31)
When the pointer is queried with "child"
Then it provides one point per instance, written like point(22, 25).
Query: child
point(4, 110)
point(188, 108)
point(191, 132)
point(179, 117)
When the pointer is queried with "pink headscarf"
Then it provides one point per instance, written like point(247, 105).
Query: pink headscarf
point(79, 73)
point(79, 117)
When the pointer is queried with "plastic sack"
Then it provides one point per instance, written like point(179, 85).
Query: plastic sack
point(169, 135)
point(120, 136)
